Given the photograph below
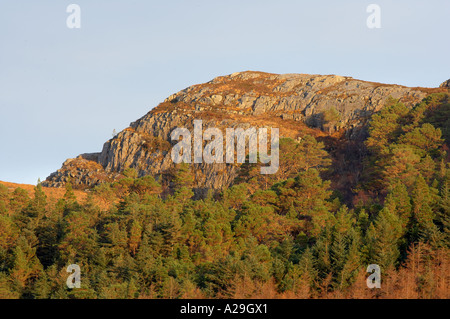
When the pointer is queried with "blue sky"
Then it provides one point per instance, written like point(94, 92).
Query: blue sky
point(63, 91)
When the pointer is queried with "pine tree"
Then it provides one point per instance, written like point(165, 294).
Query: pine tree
point(8, 234)
point(69, 201)
point(443, 213)
point(42, 288)
point(322, 253)
point(26, 266)
point(19, 200)
point(146, 186)
point(386, 236)
point(6, 289)
point(135, 237)
point(183, 177)
point(79, 238)
point(384, 126)
point(305, 198)
point(338, 255)
point(425, 139)
point(295, 156)
point(308, 268)
point(353, 261)
point(400, 165)
point(422, 210)
point(399, 202)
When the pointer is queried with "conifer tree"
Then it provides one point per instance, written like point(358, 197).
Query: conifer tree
point(422, 210)
point(183, 177)
point(305, 198)
point(322, 252)
point(135, 237)
point(443, 217)
point(425, 139)
point(353, 260)
point(18, 200)
point(399, 202)
point(386, 236)
point(384, 126)
point(26, 266)
point(307, 266)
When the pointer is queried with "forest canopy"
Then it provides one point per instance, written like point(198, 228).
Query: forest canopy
point(290, 235)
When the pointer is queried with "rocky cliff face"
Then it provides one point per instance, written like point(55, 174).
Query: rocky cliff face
point(295, 103)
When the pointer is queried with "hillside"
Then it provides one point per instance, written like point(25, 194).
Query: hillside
point(297, 104)
point(364, 179)
point(51, 192)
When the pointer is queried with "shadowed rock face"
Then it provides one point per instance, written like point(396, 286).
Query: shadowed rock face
point(286, 101)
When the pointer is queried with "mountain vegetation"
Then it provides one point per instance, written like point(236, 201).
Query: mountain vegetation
point(309, 231)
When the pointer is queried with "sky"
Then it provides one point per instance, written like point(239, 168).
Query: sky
point(63, 91)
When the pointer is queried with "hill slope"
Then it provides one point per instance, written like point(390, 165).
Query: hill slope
point(297, 104)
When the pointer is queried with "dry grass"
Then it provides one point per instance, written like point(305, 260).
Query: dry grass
point(56, 193)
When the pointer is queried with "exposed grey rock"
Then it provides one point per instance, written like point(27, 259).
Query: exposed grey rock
point(263, 104)
point(246, 101)
point(146, 144)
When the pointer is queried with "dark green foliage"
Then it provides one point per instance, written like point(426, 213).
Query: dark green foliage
point(287, 234)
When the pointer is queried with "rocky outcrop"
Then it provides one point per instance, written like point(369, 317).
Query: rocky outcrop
point(445, 84)
point(287, 101)
point(83, 172)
